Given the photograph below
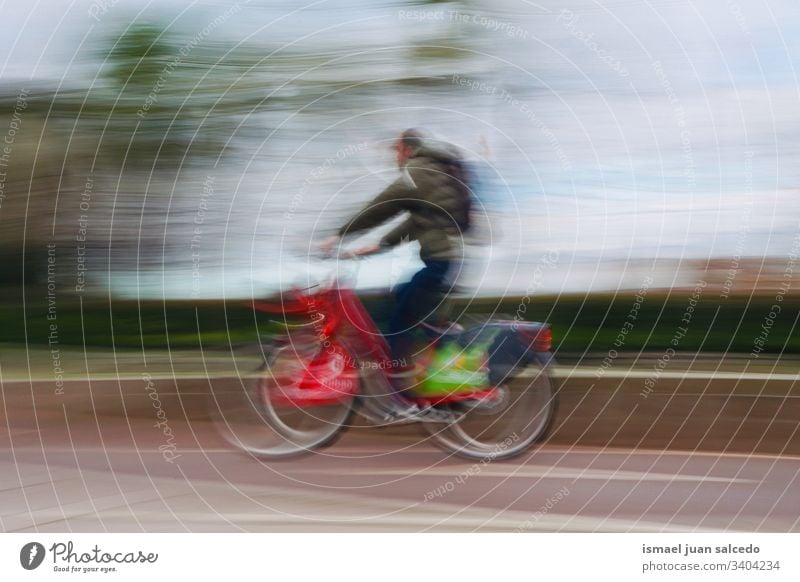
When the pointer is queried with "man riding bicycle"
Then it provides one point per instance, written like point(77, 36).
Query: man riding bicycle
point(434, 191)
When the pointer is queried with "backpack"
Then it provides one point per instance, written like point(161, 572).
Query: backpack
point(462, 178)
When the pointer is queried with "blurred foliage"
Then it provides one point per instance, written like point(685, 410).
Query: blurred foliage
point(580, 323)
point(138, 57)
point(170, 102)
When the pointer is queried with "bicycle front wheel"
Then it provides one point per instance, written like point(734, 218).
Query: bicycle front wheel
point(519, 417)
point(260, 420)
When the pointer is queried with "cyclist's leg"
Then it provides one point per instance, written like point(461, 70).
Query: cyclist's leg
point(400, 335)
point(415, 301)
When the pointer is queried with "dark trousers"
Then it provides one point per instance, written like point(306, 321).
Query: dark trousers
point(416, 300)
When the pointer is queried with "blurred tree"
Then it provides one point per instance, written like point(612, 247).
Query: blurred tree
point(138, 57)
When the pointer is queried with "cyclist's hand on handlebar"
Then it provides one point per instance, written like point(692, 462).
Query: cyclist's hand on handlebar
point(366, 250)
point(326, 246)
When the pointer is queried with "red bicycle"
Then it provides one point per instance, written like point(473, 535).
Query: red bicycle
point(491, 383)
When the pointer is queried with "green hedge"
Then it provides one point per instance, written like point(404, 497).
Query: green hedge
point(591, 322)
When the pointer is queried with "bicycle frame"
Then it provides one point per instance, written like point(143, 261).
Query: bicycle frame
point(331, 311)
point(312, 381)
point(327, 378)
point(337, 309)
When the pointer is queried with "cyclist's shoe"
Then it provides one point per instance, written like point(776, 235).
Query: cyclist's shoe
point(403, 408)
point(413, 413)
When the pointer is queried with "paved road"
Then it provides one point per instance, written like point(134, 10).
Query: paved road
point(69, 467)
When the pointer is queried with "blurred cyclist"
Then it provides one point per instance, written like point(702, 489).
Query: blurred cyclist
point(434, 191)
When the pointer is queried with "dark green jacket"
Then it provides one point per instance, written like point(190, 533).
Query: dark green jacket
point(436, 202)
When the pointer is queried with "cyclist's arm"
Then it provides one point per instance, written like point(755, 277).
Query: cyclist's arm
point(392, 201)
point(403, 232)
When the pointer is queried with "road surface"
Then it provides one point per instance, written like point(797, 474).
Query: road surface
point(76, 463)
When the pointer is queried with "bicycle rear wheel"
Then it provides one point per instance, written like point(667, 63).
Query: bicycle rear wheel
point(258, 418)
point(507, 426)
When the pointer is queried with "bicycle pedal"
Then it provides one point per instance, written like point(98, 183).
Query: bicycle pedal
point(416, 414)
